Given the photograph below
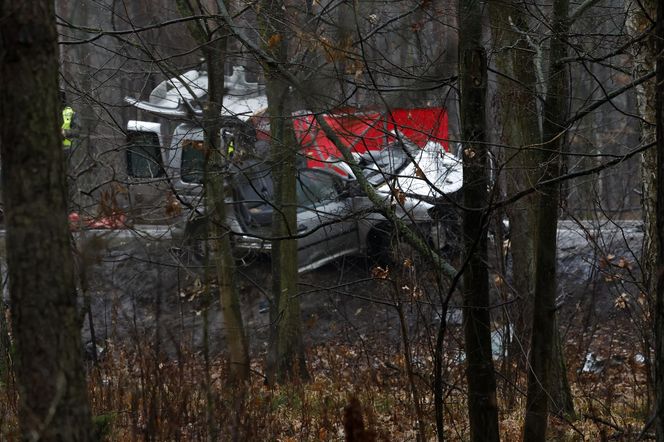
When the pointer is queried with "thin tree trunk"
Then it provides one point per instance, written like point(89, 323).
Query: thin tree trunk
point(521, 133)
point(659, 302)
point(219, 233)
point(561, 402)
point(214, 49)
point(543, 329)
point(215, 201)
point(287, 359)
point(638, 20)
point(438, 402)
point(407, 354)
point(5, 343)
point(482, 401)
point(53, 403)
point(517, 96)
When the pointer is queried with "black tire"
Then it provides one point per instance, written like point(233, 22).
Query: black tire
point(451, 245)
point(193, 245)
point(388, 248)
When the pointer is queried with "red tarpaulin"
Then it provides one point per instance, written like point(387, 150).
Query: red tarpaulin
point(369, 131)
point(363, 131)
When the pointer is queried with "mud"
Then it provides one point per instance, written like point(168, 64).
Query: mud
point(139, 291)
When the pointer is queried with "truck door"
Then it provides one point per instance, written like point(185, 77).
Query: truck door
point(147, 181)
point(323, 219)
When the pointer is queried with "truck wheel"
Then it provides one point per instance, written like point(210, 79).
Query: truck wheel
point(402, 253)
point(388, 248)
point(446, 238)
point(193, 246)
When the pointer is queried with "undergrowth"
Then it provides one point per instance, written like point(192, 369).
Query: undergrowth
point(139, 395)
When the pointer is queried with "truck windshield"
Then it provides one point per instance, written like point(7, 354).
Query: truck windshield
point(254, 189)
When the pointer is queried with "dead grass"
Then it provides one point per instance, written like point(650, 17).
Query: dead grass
point(139, 395)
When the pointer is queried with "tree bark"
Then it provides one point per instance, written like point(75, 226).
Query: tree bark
point(517, 92)
point(639, 19)
point(219, 233)
point(286, 360)
point(214, 48)
point(659, 302)
point(53, 403)
point(482, 401)
point(544, 312)
point(519, 118)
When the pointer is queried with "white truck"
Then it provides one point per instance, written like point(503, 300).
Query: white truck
point(407, 165)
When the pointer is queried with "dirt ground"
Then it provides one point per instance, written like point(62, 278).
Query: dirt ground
point(139, 289)
point(152, 316)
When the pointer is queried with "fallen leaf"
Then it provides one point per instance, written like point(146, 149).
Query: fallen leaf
point(274, 40)
point(623, 263)
point(621, 302)
point(380, 272)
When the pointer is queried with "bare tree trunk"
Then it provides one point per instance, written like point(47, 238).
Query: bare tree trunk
point(410, 372)
point(521, 133)
point(219, 232)
point(482, 401)
point(639, 19)
point(659, 302)
point(519, 117)
point(214, 48)
point(544, 312)
point(561, 401)
point(5, 343)
point(53, 403)
point(287, 359)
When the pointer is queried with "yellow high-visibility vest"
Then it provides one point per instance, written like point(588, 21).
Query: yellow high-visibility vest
point(67, 115)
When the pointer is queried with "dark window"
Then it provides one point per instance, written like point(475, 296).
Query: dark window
point(193, 161)
point(144, 155)
point(254, 189)
point(314, 188)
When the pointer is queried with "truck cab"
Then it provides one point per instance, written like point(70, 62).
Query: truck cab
point(165, 158)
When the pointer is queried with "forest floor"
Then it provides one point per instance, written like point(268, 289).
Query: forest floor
point(137, 283)
point(369, 335)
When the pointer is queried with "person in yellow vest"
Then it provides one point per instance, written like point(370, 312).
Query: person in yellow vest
point(69, 123)
point(229, 139)
point(70, 131)
point(67, 117)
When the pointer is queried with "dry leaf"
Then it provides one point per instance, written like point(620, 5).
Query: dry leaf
point(380, 272)
point(173, 206)
point(274, 40)
point(399, 196)
point(621, 301)
point(498, 280)
point(623, 263)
